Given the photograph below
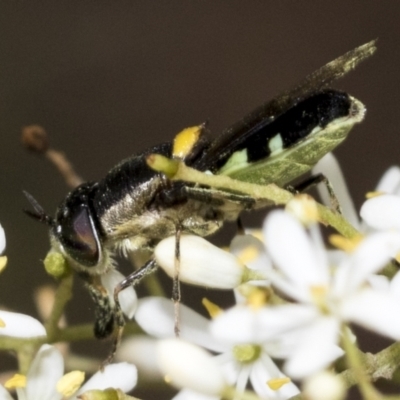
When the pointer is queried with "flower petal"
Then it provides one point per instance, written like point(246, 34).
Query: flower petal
point(155, 315)
point(369, 257)
point(188, 366)
point(2, 240)
point(4, 395)
point(187, 394)
point(121, 376)
point(292, 250)
point(330, 168)
point(390, 181)
point(262, 372)
point(374, 310)
point(316, 348)
point(127, 297)
point(382, 212)
point(251, 252)
point(45, 371)
point(140, 350)
point(20, 325)
point(201, 263)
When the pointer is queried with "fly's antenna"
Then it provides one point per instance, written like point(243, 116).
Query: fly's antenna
point(38, 212)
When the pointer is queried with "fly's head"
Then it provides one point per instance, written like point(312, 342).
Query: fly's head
point(75, 231)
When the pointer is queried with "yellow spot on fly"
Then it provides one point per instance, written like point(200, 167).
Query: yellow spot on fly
point(246, 353)
point(17, 381)
point(185, 141)
point(345, 244)
point(212, 309)
point(370, 195)
point(70, 383)
point(277, 383)
point(3, 263)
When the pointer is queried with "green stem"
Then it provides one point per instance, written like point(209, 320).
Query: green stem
point(62, 297)
point(355, 363)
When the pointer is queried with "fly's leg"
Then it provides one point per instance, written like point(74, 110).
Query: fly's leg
point(104, 311)
point(316, 180)
point(131, 280)
point(219, 198)
point(176, 287)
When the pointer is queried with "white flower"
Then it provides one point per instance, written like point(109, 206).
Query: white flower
point(127, 297)
point(45, 375)
point(20, 325)
point(381, 212)
point(202, 263)
point(2, 240)
point(233, 334)
point(324, 386)
point(325, 299)
point(185, 365)
point(248, 351)
point(330, 168)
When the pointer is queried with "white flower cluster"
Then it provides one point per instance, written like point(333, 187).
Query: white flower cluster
point(320, 291)
point(295, 301)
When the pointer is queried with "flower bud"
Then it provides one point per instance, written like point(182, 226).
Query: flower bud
point(202, 263)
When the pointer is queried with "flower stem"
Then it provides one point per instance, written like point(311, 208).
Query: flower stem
point(355, 363)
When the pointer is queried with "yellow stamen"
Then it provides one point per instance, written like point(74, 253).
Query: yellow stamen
point(257, 233)
point(370, 195)
point(397, 257)
point(3, 263)
point(2, 323)
point(304, 208)
point(185, 141)
point(70, 383)
point(258, 297)
point(318, 294)
point(277, 383)
point(345, 244)
point(17, 381)
point(248, 254)
point(212, 309)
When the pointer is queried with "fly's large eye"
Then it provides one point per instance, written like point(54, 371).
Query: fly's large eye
point(78, 235)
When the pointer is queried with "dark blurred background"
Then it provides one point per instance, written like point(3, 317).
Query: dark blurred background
point(107, 79)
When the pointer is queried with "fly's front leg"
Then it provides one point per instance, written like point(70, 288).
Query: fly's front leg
point(131, 280)
point(104, 311)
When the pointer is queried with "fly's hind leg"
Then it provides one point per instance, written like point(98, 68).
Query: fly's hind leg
point(316, 180)
point(176, 287)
